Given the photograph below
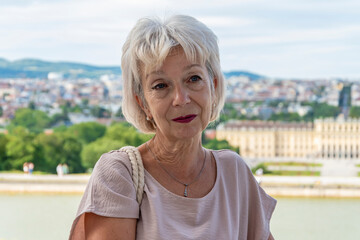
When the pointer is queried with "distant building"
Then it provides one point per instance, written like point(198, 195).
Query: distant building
point(76, 118)
point(327, 138)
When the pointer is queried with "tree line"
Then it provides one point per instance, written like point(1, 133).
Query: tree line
point(318, 110)
point(79, 145)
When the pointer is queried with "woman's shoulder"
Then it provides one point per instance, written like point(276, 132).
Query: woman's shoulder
point(113, 163)
point(229, 161)
point(228, 156)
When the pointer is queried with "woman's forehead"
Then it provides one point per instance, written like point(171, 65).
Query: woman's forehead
point(176, 51)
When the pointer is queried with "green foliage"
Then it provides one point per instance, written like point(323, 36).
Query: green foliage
point(354, 112)
point(263, 166)
point(299, 164)
point(35, 121)
point(59, 118)
point(69, 107)
point(58, 148)
point(21, 149)
point(61, 128)
point(218, 145)
point(320, 110)
point(4, 164)
point(51, 151)
point(72, 154)
point(85, 102)
point(126, 133)
point(287, 117)
point(294, 173)
point(100, 112)
point(92, 152)
point(76, 109)
point(1, 111)
point(228, 112)
point(119, 113)
point(87, 132)
point(79, 146)
point(32, 105)
point(278, 103)
point(117, 136)
point(345, 96)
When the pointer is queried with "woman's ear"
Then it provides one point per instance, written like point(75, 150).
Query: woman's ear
point(215, 82)
point(138, 100)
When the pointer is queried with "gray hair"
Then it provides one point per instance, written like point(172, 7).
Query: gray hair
point(147, 46)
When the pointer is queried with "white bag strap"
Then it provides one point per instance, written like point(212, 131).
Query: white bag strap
point(137, 170)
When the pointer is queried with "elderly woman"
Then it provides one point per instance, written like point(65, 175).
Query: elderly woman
point(173, 87)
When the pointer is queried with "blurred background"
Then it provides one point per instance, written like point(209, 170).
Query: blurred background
point(292, 108)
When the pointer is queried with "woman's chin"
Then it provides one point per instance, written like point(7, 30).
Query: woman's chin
point(185, 134)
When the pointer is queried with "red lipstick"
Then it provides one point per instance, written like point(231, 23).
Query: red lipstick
point(185, 119)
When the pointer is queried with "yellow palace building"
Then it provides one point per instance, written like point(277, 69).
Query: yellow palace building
point(325, 138)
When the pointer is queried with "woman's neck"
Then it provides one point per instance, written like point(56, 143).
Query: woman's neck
point(183, 158)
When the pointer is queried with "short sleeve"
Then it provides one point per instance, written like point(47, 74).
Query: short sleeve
point(261, 208)
point(110, 191)
point(255, 206)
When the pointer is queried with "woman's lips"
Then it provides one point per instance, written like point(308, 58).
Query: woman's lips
point(185, 119)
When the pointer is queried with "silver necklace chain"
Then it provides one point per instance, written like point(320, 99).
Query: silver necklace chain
point(173, 177)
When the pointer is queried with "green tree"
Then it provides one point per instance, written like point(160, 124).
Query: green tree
point(1, 111)
point(287, 117)
point(263, 166)
point(100, 112)
point(50, 147)
point(72, 154)
point(321, 110)
point(119, 113)
point(32, 105)
point(354, 112)
point(61, 128)
point(21, 149)
point(4, 164)
point(59, 118)
point(87, 132)
point(126, 133)
point(69, 107)
point(218, 145)
point(59, 148)
point(34, 120)
point(92, 152)
point(85, 102)
point(117, 136)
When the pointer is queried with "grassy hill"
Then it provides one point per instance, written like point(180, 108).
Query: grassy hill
point(34, 68)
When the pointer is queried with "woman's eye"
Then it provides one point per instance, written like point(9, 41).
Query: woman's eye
point(195, 78)
point(159, 86)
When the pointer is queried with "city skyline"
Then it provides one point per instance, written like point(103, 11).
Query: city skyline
point(280, 39)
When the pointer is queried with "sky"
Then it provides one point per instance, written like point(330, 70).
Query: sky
point(276, 38)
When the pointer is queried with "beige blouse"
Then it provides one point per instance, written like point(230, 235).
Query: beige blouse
point(236, 208)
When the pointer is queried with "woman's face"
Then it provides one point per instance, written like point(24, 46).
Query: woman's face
point(178, 97)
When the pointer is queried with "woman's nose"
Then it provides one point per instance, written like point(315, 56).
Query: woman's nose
point(181, 96)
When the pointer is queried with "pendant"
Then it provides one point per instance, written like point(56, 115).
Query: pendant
point(185, 191)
